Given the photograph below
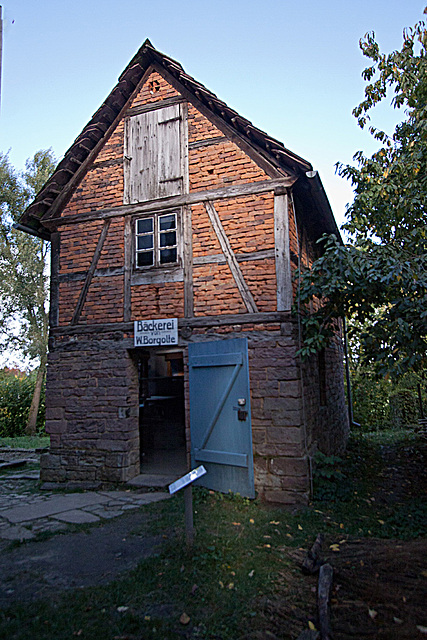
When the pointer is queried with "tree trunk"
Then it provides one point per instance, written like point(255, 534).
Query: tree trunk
point(31, 428)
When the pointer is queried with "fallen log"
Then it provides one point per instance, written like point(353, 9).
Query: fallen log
point(312, 561)
point(323, 591)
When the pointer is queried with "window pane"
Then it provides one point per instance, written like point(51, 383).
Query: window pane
point(145, 259)
point(167, 255)
point(167, 222)
point(145, 225)
point(168, 239)
point(145, 242)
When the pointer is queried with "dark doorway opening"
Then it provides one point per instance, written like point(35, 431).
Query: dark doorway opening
point(162, 412)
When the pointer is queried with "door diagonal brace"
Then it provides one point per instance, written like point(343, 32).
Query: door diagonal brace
point(220, 406)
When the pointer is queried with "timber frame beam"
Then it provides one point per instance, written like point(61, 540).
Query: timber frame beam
point(269, 317)
point(194, 197)
point(91, 271)
point(233, 265)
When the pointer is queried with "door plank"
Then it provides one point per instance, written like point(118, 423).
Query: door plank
point(217, 359)
point(221, 457)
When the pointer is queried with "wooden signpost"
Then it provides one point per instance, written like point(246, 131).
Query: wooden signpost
point(186, 483)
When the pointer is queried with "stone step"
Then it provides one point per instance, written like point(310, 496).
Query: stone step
point(156, 481)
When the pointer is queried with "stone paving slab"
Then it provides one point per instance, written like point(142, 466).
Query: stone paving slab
point(25, 512)
point(44, 524)
point(11, 464)
point(128, 505)
point(76, 516)
point(22, 516)
point(16, 533)
point(56, 504)
point(105, 512)
point(120, 495)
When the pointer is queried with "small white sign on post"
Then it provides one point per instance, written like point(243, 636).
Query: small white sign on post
point(156, 333)
point(187, 479)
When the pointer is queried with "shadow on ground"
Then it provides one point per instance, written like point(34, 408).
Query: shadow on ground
point(34, 570)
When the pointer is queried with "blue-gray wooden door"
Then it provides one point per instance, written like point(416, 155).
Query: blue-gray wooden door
point(220, 415)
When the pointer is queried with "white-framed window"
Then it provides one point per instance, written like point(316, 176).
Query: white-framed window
point(156, 240)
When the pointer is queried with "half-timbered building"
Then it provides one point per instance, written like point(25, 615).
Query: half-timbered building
point(176, 227)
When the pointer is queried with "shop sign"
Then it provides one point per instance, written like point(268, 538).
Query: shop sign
point(156, 333)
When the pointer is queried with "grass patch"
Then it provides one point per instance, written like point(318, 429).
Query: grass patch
point(372, 489)
point(26, 442)
point(387, 436)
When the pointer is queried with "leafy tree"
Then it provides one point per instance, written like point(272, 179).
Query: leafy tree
point(23, 270)
point(16, 393)
point(379, 278)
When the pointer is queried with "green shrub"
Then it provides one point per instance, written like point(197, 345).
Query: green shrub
point(371, 407)
point(379, 403)
point(403, 408)
point(16, 392)
point(329, 481)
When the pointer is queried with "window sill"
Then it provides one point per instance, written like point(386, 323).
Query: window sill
point(157, 275)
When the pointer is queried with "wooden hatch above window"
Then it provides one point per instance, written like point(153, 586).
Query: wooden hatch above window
point(153, 155)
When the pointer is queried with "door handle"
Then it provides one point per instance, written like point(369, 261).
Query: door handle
point(241, 414)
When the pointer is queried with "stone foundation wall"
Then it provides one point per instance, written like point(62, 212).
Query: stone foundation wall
point(278, 431)
point(326, 418)
point(91, 414)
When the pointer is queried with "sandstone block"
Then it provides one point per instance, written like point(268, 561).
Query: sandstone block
point(279, 449)
point(287, 405)
point(284, 435)
point(285, 497)
point(54, 413)
point(258, 436)
point(288, 466)
point(52, 475)
point(56, 426)
point(50, 461)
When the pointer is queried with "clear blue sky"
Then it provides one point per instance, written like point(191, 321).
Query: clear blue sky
point(292, 68)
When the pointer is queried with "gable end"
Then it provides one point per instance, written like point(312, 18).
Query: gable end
point(59, 188)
